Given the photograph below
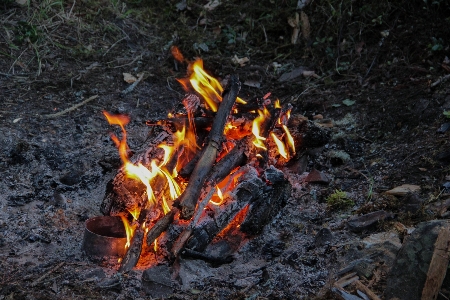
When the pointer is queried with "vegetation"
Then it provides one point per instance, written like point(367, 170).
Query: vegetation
point(339, 200)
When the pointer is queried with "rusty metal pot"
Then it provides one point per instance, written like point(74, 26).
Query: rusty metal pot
point(104, 238)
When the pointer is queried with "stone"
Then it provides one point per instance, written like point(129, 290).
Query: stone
point(412, 203)
point(317, 177)
point(323, 237)
point(368, 221)
point(409, 271)
point(157, 282)
point(403, 190)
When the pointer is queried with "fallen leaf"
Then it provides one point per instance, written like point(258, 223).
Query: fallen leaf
point(128, 78)
point(22, 2)
point(348, 102)
point(306, 27)
point(292, 74)
point(294, 22)
point(302, 3)
point(252, 83)
point(335, 105)
point(240, 61)
point(17, 120)
point(211, 5)
point(310, 74)
point(403, 190)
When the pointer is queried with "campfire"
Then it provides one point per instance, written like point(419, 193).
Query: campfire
point(211, 176)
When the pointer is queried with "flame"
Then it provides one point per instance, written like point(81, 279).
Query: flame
point(280, 146)
point(165, 207)
point(258, 142)
point(207, 86)
point(277, 104)
point(144, 175)
point(135, 212)
point(220, 196)
point(129, 229)
point(155, 246)
point(290, 139)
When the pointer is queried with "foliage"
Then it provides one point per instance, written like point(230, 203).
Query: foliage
point(339, 200)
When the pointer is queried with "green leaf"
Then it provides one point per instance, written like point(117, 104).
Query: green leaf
point(447, 113)
point(348, 102)
point(335, 105)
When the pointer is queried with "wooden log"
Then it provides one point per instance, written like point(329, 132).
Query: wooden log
point(249, 188)
point(160, 226)
point(264, 208)
point(188, 199)
point(134, 252)
point(438, 265)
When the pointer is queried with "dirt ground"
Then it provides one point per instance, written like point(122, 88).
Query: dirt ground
point(376, 84)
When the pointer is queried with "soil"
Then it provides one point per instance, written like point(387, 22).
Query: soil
point(374, 89)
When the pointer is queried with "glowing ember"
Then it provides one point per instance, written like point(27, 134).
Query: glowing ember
point(280, 146)
point(176, 53)
point(155, 245)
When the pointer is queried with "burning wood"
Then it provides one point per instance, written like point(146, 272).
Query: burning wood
point(233, 170)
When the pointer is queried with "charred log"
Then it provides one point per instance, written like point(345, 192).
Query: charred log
point(250, 187)
point(160, 226)
point(189, 198)
point(264, 208)
point(134, 252)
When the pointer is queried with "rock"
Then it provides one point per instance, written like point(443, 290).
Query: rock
point(317, 177)
point(444, 128)
point(193, 270)
point(298, 166)
point(157, 282)
point(273, 249)
point(323, 237)
point(367, 221)
point(412, 203)
point(403, 190)
point(409, 271)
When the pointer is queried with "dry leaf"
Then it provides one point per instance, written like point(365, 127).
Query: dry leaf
point(128, 78)
point(211, 5)
point(306, 27)
point(21, 2)
point(310, 74)
point(240, 61)
point(294, 22)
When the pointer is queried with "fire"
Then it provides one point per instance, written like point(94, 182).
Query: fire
point(219, 195)
point(290, 139)
point(207, 86)
point(259, 140)
point(155, 246)
point(129, 229)
point(280, 146)
point(176, 53)
point(135, 212)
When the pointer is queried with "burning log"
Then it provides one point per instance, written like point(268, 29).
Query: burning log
point(134, 252)
point(249, 188)
point(188, 199)
point(160, 226)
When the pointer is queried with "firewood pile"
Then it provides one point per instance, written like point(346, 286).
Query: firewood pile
point(212, 174)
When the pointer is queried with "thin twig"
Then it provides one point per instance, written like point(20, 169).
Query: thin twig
point(51, 116)
point(34, 283)
point(440, 80)
point(112, 46)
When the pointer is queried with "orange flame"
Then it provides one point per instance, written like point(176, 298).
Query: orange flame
point(207, 86)
point(262, 115)
point(280, 146)
point(129, 229)
point(176, 53)
point(155, 246)
point(220, 196)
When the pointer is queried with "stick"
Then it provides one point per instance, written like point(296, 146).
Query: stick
point(438, 265)
point(160, 226)
point(34, 283)
point(131, 87)
point(189, 198)
point(208, 258)
point(440, 80)
point(366, 290)
point(58, 114)
point(134, 252)
point(186, 234)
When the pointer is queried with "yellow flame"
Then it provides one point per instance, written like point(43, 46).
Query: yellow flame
point(280, 146)
point(258, 142)
point(219, 195)
point(135, 212)
point(144, 175)
point(129, 230)
point(155, 246)
point(277, 104)
point(165, 207)
point(290, 139)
